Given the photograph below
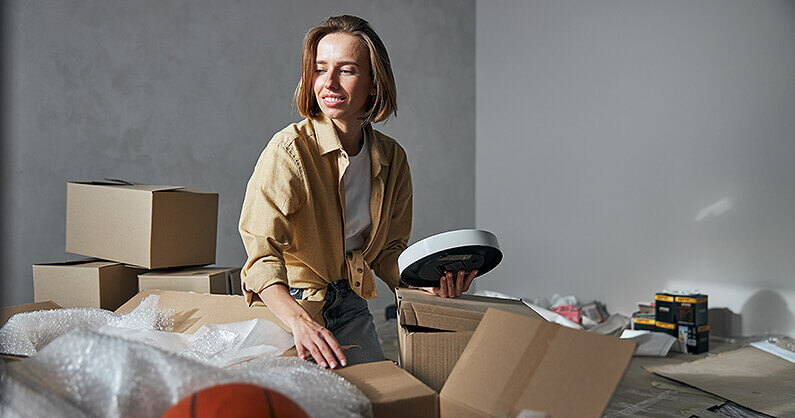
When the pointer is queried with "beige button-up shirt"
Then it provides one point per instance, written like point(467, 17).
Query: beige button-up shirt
point(293, 217)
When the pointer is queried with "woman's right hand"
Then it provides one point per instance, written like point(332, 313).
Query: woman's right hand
point(313, 339)
point(310, 337)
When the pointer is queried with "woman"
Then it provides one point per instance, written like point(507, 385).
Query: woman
point(330, 199)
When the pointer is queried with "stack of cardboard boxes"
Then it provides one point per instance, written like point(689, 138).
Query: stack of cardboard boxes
point(685, 317)
point(142, 236)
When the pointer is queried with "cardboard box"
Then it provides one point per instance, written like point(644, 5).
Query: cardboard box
point(218, 280)
point(88, 283)
point(644, 322)
point(695, 338)
point(192, 310)
point(664, 308)
point(393, 391)
point(433, 331)
point(691, 310)
point(7, 312)
point(515, 363)
point(142, 225)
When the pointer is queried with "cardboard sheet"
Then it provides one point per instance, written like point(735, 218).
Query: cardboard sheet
point(748, 376)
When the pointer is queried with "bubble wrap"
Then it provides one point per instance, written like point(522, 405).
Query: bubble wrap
point(26, 333)
point(89, 373)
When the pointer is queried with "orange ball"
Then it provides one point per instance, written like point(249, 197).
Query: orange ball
point(239, 400)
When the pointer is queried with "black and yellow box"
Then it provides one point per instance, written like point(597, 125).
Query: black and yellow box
point(696, 338)
point(664, 308)
point(691, 310)
point(668, 328)
point(643, 321)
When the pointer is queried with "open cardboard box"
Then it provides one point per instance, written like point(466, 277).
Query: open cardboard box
point(192, 310)
point(433, 331)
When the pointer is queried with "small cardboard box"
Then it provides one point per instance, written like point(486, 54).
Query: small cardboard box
point(393, 391)
point(142, 225)
point(664, 308)
point(433, 331)
point(88, 283)
point(218, 280)
point(691, 310)
point(695, 338)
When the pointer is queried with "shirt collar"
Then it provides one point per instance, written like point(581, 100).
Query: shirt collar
point(328, 141)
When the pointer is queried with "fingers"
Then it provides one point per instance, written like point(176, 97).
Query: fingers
point(442, 289)
point(459, 283)
point(469, 279)
point(328, 357)
point(336, 348)
point(323, 348)
point(450, 285)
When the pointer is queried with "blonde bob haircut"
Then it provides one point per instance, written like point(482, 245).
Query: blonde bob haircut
point(380, 106)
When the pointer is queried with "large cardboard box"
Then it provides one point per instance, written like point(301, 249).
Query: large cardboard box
point(88, 283)
point(142, 225)
point(433, 331)
point(218, 280)
point(515, 363)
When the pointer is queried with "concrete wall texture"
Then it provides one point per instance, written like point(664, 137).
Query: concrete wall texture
point(623, 147)
point(189, 92)
point(626, 147)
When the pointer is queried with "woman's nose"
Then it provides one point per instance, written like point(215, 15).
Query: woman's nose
point(331, 81)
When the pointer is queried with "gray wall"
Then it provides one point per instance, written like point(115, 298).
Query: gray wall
point(189, 92)
point(625, 147)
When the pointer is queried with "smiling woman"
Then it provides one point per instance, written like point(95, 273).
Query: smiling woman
point(330, 198)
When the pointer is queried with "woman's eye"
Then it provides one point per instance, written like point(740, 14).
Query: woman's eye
point(345, 71)
point(319, 71)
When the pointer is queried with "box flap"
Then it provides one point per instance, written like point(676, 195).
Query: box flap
point(131, 186)
point(393, 391)
point(85, 262)
point(514, 362)
point(748, 376)
point(192, 310)
point(419, 308)
point(7, 312)
point(191, 272)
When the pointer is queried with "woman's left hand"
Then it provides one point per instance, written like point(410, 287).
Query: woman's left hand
point(453, 286)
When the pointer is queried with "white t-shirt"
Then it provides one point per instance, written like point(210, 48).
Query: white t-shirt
point(357, 197)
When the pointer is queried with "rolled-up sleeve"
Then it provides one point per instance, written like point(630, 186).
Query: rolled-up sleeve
point(275, 191)
point(385, 264)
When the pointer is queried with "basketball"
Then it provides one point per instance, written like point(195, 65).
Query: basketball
point(235, 400)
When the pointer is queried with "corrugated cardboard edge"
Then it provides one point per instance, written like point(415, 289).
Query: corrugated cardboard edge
point(7, 312)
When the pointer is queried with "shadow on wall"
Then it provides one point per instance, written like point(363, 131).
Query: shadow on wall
point(725, 323)
point(767, 312)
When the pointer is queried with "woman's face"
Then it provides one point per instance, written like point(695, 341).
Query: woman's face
point(342, 77)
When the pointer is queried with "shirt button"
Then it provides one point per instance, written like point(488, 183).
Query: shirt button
point(357, 284)
point(359, 270)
